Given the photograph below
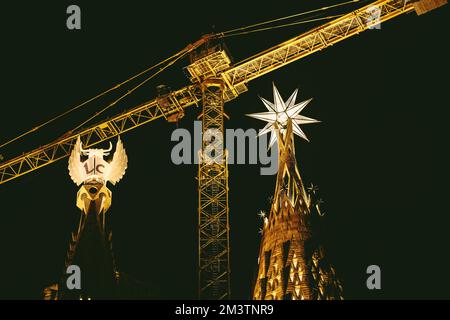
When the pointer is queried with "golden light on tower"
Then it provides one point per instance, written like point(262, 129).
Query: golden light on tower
point(291, 263)
point(90, 247)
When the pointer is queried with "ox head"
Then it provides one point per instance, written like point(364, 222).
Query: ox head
point(96, 152)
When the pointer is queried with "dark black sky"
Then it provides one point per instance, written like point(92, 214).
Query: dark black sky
point(378, 155)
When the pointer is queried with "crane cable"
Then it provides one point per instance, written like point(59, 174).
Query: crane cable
point(131, 91)
point(222, 36)
point(284, 25)
point(176, 57)
point(240, 30)
point(184, 51)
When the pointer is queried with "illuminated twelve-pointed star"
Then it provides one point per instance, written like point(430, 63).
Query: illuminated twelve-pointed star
point(279, 112)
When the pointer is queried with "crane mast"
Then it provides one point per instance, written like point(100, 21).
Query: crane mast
point(213, 211)
point(215, 81)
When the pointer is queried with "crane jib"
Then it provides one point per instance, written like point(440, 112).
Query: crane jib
point(234, 78)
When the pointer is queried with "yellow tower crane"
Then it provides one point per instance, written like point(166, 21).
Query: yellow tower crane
point(214, 81)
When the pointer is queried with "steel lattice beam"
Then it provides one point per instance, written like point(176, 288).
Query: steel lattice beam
point(152, 110)
point(213, 223)
point(235, 79)
point(316, 40)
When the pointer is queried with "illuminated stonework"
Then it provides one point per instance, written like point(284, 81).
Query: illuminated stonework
point(90, 247)
point(292, 264)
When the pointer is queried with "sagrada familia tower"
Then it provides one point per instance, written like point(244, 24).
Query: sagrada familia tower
point(90, 248)
point(292, 263)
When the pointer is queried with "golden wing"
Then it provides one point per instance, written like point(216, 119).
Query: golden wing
point(76, 170)
point(118, 165)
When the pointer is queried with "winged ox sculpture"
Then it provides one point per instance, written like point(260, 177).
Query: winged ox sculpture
point(95, 168)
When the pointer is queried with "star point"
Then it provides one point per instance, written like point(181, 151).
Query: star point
point(278, 114)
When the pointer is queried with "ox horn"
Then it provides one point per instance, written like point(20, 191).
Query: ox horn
point(81, 147)
point(110, 147)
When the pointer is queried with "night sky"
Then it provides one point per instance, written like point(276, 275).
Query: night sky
point(378, 156)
